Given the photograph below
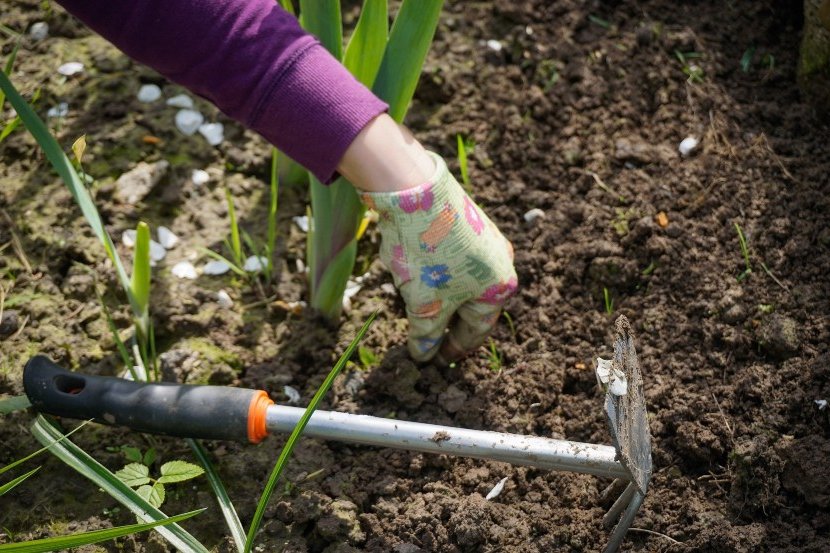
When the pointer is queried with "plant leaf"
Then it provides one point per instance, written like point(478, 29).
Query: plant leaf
point(12, 483)
point(78, 148)
point(14, 403)
point(132, 454)
point(149, 456)
point(154, 494)
point(322, 19)
point(368, 42)
point(86, 538)
point(134, 474)
point(179, 471)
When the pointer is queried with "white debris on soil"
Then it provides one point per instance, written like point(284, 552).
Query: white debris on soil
point(199, 177)
point(184, 269)
point(497, 489)
point(148, 93)
point(39, 30)
point(301, 268)
point(821, 404)
point(128, 238)
point(215, 268)
point(180, 101)
point(60, 110)
point(167, 238)
point(388, 288)
point(687, 145)
point(353, 286)
point(223, 299)
point(255, 264)
point(533, 214)
point(292, 393)
point(157, 251)
point(71, 68)
point(494, 45)
point(188, 121)
point(214, 133)
point(302, 222)
point(134, 185)
point(611, 378)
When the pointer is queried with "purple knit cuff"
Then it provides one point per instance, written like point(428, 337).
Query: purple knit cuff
point(321, 105)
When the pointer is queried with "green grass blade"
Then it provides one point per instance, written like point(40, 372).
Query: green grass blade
point(86, 538)
point(11, 484)
point(140, 283)
point(14, 403)
point(8, 70)
point(225, 505)
point(298, 430)
point(462, 162)
point(67, 172)
point(88, 467)
point(409, 42)
point(288, 6)
point(236, 243)
point(328, 297)
point(271, 237)
point(41, 450)
point(368, 42)
point(219, 257)
point(322, 19)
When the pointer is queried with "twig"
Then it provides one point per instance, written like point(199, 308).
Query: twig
point(604, 186)
point(725, 421)
point(671, 539)
point(18, 248)
point(772, 276)
point(22, 326)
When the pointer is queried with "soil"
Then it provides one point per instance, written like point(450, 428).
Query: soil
point(579, 114)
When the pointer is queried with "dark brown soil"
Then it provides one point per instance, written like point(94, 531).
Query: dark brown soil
point(579, 114)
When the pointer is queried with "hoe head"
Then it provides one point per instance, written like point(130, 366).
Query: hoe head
point(626, 413)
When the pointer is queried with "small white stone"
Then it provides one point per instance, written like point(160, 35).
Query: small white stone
point(71, 68)
point(184, 269)
point(302, 222)
point(128, 238)
point(497, 489)
point(255, 264)
point(223, 299)
point(214, 133)
point(188, 121)
point(215, 268)
point(292, 393)
point(157, 251)
point(60, 110)
point(199, 177)
point(687, 145)
point(494, 45)
point(528, 30)
point(533, 214)
point(166, 238)
point(301, 268)
point(821, 404)
point(148, 93)
point(388, 288)
point(180, 101)
point(39, 30)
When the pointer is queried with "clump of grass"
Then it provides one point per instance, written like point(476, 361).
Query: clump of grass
point(608, 300)
point(495, 358)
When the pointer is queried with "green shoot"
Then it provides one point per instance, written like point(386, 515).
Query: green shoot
point(288, 448)
point(137, 475)
point(235, 242)
point(609, 301)
point(271, 237)
point(367, 357)
point(746, 59)
point(494, 357)
point(465, 147)
point(510, 324)
point(692, 70)
point(744, 253)
point(604, 23)
point(11, 404)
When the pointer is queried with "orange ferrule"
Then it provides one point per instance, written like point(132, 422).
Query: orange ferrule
point(257, 410)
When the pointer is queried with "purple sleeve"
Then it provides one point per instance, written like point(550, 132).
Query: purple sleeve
point(251, 59)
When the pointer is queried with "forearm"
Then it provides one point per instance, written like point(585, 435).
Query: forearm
point(251, 59)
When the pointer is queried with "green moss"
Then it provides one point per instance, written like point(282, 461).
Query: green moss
point(211, 352)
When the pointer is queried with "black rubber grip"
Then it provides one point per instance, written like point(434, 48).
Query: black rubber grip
point(209, 412)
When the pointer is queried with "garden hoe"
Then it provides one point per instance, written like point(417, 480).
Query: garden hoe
point(216, 412)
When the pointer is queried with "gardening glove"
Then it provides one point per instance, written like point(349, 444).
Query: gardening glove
point(447, 258)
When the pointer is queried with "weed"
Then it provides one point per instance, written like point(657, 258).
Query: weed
point(604, 23)
point(692, 70)
point(650, 269)
point(744, 253)
point(137, 475)
point(367, 357)
point(465, 148)
point(494, 357)
point(510, 324)
point(609, 301)
point(548, 74)
point(746, 59)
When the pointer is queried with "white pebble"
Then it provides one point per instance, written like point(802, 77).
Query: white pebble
point(166, 238)
point(388, 288)
point(216, 267)
point(497, 489)
point(188, 121)
point(148, 93)
point(302, 222)
point(184, 269)
point(494, 45)
point(821, 404)
point(157, 251)
point(70, 68)
point(292, 393)
point(255, 264)
point(180, 101)
point(533, 214)
point(687, 145)
point(214, 133)
point(128, 238)
point(60, 110)
point(301, 268)
point(199, 177)
point(223, 299)
point(39, 30)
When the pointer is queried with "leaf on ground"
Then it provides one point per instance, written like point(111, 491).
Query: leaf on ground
point(178, 471)
point(134, 474)
point(154, 495)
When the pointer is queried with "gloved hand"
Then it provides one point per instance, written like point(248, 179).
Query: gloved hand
point(447, 258)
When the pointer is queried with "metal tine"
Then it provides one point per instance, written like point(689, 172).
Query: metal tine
point(621, 503)
point(619, 532)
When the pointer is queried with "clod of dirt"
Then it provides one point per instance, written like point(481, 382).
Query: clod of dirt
point(134, 185)
point(9, 323)
point(452, 399)
point(755, 468)
point(637, 150)
point(698, 444)
point(407, 548)
point(807, 471)
point(340, 521)
point(398, 381)
point(778, 336)
point(306, 507)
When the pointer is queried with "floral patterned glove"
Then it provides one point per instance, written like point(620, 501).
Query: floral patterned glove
point(447, 258)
